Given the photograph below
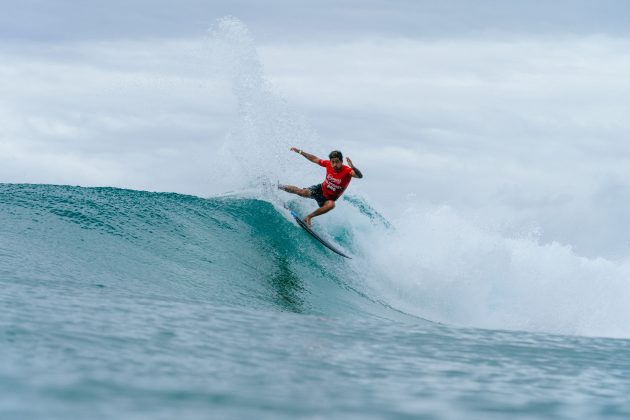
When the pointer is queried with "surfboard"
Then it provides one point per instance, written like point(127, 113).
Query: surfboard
point(314, 234)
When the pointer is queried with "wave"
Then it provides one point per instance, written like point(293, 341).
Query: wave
point(246, 251)
point(225, 250)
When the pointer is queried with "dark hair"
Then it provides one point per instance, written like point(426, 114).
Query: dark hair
point(335, 154)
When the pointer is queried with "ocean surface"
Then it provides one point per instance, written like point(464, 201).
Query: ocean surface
point(121, 304)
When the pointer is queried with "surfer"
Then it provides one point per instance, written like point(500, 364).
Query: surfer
point(338, 176)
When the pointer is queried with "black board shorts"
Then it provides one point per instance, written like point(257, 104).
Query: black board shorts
point(318, 195)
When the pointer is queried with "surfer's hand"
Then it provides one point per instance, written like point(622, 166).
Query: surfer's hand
point(295, 149)
point(349, 162)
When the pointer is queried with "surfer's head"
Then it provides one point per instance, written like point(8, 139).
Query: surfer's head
point(336, 159)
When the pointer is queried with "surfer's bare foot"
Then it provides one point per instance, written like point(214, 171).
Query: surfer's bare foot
point(307, 220)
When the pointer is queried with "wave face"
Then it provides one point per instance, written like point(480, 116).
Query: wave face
point(231, 251)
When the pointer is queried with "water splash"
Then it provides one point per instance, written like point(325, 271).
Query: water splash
point(266, 126)
point(440, 265)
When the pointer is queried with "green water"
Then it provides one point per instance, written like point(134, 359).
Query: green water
point(127, 304)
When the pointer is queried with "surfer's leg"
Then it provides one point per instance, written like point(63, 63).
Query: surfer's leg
point(325, 208)
point(302, 192)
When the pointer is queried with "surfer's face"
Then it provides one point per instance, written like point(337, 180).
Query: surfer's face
point(336, 163)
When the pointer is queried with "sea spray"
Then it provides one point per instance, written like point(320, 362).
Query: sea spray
point(266, 126)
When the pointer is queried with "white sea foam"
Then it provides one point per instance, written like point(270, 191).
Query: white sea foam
point(438, 265)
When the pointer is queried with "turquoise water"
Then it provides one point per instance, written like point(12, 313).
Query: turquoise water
point(127, 304)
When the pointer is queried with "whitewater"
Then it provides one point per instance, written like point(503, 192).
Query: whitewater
point(119, 303)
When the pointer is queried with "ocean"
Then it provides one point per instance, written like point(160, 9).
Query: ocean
point(123, 304)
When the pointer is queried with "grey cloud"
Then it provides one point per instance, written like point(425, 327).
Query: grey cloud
point(288, 21)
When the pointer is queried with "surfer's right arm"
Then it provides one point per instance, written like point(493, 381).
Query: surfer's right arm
point(308, 156)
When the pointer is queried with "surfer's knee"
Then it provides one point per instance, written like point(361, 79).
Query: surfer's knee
point(330, 204)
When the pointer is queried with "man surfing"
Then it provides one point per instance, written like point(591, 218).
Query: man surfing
point(338, 176)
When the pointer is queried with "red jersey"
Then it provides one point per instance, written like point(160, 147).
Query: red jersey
point(336, 182)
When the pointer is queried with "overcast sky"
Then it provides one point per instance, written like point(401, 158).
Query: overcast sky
point(290, 21)
point(508, 111)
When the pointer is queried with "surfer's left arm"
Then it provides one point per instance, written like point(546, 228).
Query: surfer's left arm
point(356, 173)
